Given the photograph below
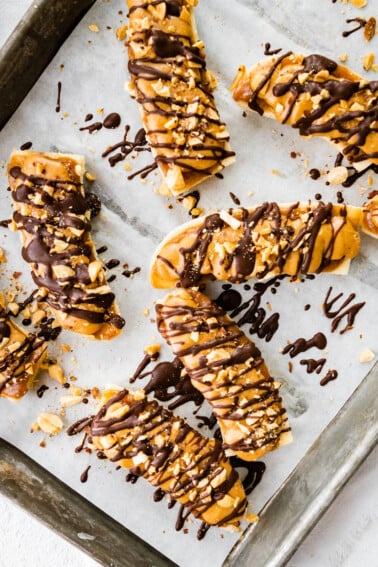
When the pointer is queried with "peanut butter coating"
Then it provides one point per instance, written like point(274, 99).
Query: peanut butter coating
point(265, 241)
point(228, 369)
point(318, 97)
point(139, 434)
point(53, 215)
point(21, 355)
point(174, 90)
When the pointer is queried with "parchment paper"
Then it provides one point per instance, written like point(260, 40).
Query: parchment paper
point(134, 219)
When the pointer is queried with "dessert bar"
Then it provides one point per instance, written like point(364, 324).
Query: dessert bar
point(143, 436)
point(228, 369)
point(174, 90)
point(21, 355)
point(53, 215)
point(265, 241)
point(318, 97)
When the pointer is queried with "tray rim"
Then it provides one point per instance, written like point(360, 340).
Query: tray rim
point(18, 465)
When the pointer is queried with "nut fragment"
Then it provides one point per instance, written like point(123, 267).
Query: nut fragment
point(56, 373)
point(337, 175)
point(369, 29)
point(50, 423)
point(367, 355)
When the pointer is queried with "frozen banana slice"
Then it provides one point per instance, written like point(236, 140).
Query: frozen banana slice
point(268, 240)
point(21, 355)
point(174, 90)
point(317, 96)
point(226, 366)
point(140, 434)
point(53, 215)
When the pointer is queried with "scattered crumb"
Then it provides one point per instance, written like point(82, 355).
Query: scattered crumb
point(152, 350)
point(358, 3)
point(367, 355)
point(50, 423)
point(337, 175)
point(56, 373)
point(89, 176)
point(93, 28)
point(121, 33)
point(368, 62)
point(369, 29)
point(343, 57)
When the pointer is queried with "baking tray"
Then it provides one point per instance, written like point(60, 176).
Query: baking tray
point(300, 501)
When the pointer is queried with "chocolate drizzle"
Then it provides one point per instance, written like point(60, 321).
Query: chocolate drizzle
point(302, 345)
point(345, 310)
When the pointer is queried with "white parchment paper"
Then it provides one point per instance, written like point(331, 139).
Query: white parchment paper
point(134, 219)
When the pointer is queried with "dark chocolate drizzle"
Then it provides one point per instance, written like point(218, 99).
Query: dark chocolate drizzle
point(345, 310)
point(319, 341)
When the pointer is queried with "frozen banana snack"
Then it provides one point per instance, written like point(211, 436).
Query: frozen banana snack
point(21, 355)
point(53, 215)
point(174, 90)
point(265, 241)
point(228, 369)
point(141, 435)
point(318, 97)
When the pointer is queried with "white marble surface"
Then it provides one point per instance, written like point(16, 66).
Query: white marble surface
point(345, 535)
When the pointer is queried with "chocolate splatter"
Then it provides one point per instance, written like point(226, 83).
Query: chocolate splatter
point(302, 345)
point(350, 311)
point(57, 106)
point(331, 375)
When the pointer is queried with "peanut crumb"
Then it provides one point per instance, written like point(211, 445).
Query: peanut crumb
point(343, 57)
point(89, 176)
point(121, 33)
point(93, 28)
point(367, 355)
point(368, 61)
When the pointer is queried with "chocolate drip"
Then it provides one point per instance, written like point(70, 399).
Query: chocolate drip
point(113, 120)
point(313, 365)
point(338, 315)
point(254, 472)
point(331, 375)
point(57, 106)
point(302, 345)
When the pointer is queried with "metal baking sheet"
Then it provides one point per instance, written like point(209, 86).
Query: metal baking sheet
point(300, 500)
